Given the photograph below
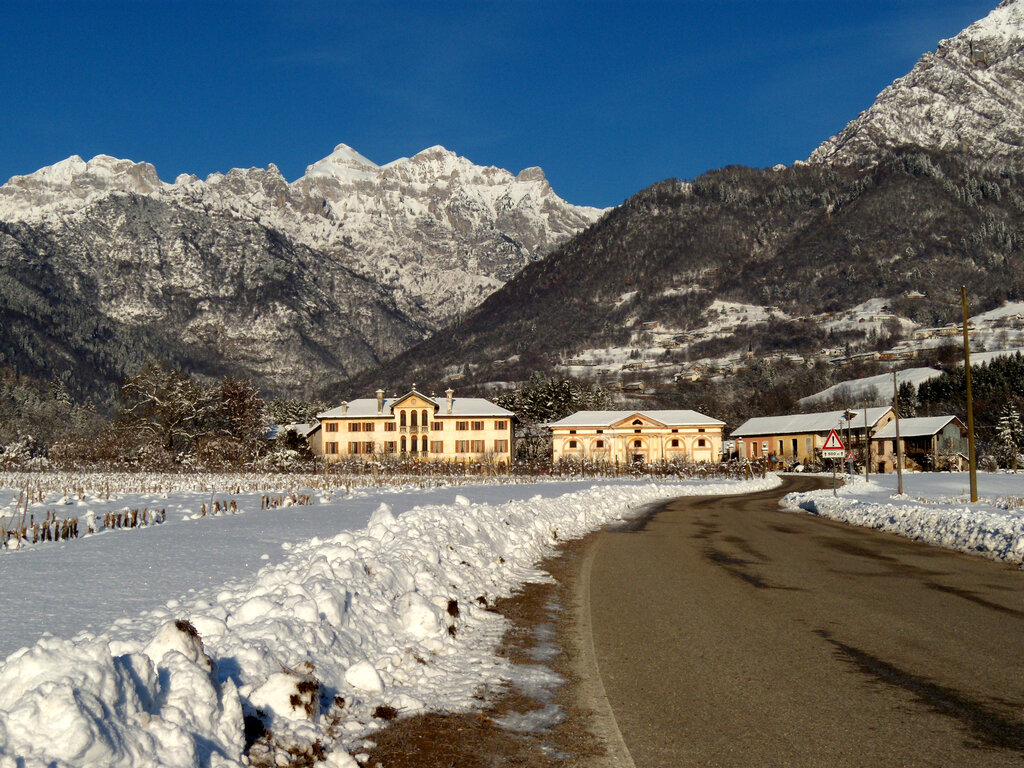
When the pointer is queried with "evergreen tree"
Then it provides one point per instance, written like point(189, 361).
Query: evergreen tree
point(1009, 437)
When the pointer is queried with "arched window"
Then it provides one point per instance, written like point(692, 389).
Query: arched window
point(423, 420)
point(599, 444)
point(572, 443)
point(701, 443)
point(413, 423)
point(415, 440)
point(401, 420)
point(675, 443)
point(638, 423)
point(403, 439)
point(638, 444)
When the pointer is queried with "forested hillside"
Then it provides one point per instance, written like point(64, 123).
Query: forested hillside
point(806, 239)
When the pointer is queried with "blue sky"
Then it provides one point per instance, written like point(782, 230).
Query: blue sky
point(607, 97)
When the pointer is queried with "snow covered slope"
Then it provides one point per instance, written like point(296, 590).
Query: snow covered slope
point(966, 96)
point(274, 280)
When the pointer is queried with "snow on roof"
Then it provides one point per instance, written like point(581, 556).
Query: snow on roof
point(799, 423)
point(366, 407)
point(672, 418)
point(916, 427)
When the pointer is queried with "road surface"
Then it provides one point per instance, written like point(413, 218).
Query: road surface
point(728, 633)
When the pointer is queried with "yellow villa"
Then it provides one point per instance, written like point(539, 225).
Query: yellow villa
point(414, 425)
point(800, 436)
point(629, 436)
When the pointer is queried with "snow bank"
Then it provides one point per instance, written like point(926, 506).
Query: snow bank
point(395, 615)
point(981, 528)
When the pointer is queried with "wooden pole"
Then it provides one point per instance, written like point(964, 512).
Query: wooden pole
point(899, 444)
point(867, 446)
point(970, 401)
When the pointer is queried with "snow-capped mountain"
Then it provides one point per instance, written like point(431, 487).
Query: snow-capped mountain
point(283, 282)
point(965, 97)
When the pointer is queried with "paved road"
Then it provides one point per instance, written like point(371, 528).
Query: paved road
point(728, 633)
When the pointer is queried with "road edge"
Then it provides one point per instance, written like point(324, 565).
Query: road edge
point(591, 684)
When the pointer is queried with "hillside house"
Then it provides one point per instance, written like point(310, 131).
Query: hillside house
point(414, 425)
point(933, 442)
point(637, 436)
point(797, 437)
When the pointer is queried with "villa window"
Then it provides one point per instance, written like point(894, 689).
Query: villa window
point(331, 426)
point(638, 444)
point(478, 426)
point(675, 443)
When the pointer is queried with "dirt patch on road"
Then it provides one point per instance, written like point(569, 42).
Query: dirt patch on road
point(548, 728)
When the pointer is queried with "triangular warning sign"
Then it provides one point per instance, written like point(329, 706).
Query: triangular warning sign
point(833, 442)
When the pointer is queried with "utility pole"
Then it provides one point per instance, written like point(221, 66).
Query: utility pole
point(867, 446)
point(970, 401)
point(899, 444)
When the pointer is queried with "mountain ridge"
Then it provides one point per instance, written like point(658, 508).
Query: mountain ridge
point(965, 97)
point(424, 239)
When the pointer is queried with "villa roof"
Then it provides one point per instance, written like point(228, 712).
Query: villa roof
point(366, 407)
point(676, 418)
point(917, 427)
point(807, 423)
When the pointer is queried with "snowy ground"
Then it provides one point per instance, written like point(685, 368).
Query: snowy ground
point(935, 508)
point(310, 617)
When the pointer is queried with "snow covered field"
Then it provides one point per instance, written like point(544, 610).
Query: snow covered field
point(934, 508)
point(317, 618)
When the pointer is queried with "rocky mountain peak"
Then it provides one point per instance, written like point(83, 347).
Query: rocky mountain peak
point(73, 182)
point(283, 282)
point(344, 164)
point(531, 174)
point(966, 96)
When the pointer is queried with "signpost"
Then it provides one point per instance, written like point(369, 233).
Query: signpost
point(833, 449)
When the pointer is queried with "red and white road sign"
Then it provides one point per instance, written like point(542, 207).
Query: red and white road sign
point(833, 447)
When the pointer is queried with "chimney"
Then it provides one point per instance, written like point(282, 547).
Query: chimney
point(449, 392)
point(344, 407)
point(380, 401)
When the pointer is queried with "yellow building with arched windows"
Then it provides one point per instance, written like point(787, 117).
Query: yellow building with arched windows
point(417, 426)
point(629, 436)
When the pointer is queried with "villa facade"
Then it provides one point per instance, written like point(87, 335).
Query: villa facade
point(450, 429)
point(632, 436)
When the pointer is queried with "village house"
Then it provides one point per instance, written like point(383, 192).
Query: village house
point(637, 436)
point(796, 438)
point(932, 442)
point(416, 426)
